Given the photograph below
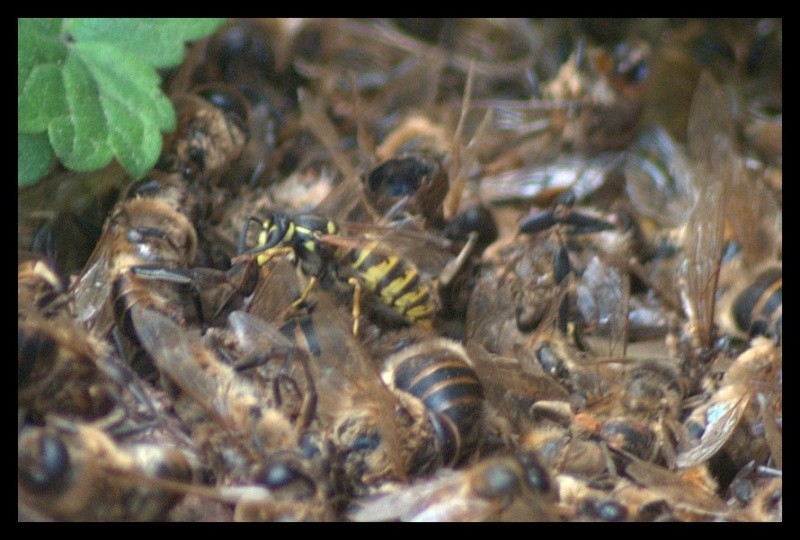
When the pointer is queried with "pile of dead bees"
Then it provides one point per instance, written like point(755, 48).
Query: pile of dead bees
point(421, 270)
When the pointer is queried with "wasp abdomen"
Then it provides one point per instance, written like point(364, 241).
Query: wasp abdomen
point(395, 281)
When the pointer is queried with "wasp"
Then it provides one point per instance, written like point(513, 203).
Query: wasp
point(402, 293)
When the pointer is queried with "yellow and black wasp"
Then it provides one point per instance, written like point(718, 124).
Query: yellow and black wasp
point(403, 293)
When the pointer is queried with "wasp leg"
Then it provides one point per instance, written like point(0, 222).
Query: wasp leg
point(300, 303)
point(243, 233)
point(356, 303)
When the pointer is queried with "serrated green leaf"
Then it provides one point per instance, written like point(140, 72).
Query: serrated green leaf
point(136, 145)
point(89, 86)
point(38, 43)
point(159, 43)
point(129, 80)
point(42, 99)
point(34, 157)
point(80, 139)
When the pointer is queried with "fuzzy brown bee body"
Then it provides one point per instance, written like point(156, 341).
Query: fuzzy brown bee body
point(507, 488)
point(80, 474)
point(211, 133)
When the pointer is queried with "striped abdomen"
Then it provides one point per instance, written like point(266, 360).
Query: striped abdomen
point(439, 373)
point(395, 282)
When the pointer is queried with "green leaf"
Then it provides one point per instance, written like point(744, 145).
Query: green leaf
point(89, 87)
point(157, 42)
point(34, 157)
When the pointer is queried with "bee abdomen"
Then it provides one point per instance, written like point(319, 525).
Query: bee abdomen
point(760, 305)
point(439, 374)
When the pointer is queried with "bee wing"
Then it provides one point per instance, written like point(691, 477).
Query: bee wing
point(711, 148)
point(183, 357)
point(255, 336)
point(541, 183)
point(716, 434)
point(678, 491)
point(278, 286)
point(430, 253)
point(407, 502)
point(659, 179)
point(92, 290)
point(603, 301)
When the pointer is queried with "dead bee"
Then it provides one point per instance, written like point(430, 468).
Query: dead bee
point(740, 416)
point(692, 193)
point(146, 257)
point(642, 415)
point(658, 494)
point(415, 183)
point(211, 133)
point(592, 104)
point(439, 373)
point(143, 238)
point(40, 291)
point(582, 499)
point(764, 503)
point(297, 492)
point(76, 472)
point(507, 488)
point(368, 434)
point(758, 308)
point(242, 414)
point(64, 370)
point(565, 448)
point(359, 422)
point(565, 222)
point(243, 52)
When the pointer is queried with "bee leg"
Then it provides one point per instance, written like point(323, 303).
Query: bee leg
point(610, 465)
point(449, 272)
point(309, 406)
point(356, 303)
